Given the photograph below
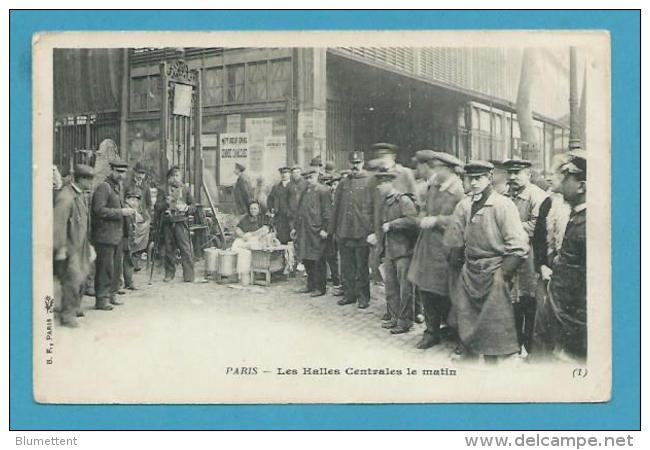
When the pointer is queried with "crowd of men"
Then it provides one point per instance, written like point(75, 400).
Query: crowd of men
point(480, 253)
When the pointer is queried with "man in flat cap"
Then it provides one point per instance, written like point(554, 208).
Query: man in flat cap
point(278, 204)
point(108, 231)
point(312, 221)
point(395, 244)
point(567, 302)
point(528, 198)
point(243, 192)
point(487, 244)
point(173, 206)
point(429, 269)
point(352, 223)
point(73, 253)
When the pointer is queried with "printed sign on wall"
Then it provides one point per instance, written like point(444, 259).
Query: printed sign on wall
point(233, 148)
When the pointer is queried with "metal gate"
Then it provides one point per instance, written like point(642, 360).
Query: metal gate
point(82, 132)
point(180, 128)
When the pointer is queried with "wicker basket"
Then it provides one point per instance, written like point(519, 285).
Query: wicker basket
point(266, 262)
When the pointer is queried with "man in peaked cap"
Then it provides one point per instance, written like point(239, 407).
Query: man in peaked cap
point(108, 230)
point(395, 245)
point(311, 226)
point(72, 251)
point(487, 244)
point(429, 270)
point(278, 203)
point(352, 224)
point(173, 206)
point(528, 198)
point(296, 186)
point(568, 284)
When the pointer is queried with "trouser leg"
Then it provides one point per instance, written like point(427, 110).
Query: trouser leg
point(391, 288)
point(320, 275)
point(362, 285)
point(170, 250)
point(435, 307)
point(117, 268)
point(182, 235)
point(71, 286)
point(309, 269)
point(104, 267)
point(525, 321)
point(129, 266)
point(348, 272)
point(405, 312)
point(333, 262)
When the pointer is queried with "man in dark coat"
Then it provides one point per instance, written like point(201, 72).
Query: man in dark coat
point(243, 191)
point(295, 187)
point(278, 203)
point(395, 244)
point(568, 286)
point(313, 218)
point(72, 251)
point(429, 270)
point(174, 204)
point(528, 198)
point(108, 230)
point(352, 224)
point(332, 252)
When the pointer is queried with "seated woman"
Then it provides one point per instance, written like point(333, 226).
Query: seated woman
point(252, 233)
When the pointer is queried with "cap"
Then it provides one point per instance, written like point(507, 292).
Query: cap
point(284, 169)
point(316, 161)
point(514, 165)
point(577, 165)
point(383, 148)
point(447, 159)
point(309, 172)
point(329, 165)
point(140, 168)
point(355, 157)
point(477, 168)
point(83, 170)
point(133, 193)
point(423, 156)
point(118, 164)
point(240, 167)
point(385, 175)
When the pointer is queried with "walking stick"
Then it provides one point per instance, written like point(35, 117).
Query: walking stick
point(156, 241)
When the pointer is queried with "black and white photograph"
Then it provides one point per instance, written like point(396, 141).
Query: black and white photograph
point(321, 217)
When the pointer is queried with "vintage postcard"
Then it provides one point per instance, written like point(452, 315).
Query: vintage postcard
point(322, 217)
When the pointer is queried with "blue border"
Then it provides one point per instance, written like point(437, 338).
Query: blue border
point(623, 412)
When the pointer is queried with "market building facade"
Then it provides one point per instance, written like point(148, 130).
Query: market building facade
point(268, 107)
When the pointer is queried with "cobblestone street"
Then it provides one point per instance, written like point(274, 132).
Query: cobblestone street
point(167, 329)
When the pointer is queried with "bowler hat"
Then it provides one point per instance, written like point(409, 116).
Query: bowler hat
point(140, 168)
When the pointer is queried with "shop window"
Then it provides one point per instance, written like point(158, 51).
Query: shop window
point(256, 82)
point(213, 86)
point(235, 75)
point(280, 78)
